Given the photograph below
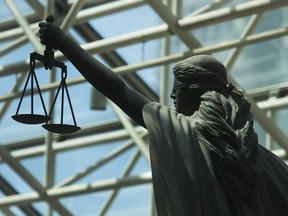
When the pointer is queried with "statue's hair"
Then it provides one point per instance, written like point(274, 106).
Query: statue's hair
point(226, 127)
point(202, 70)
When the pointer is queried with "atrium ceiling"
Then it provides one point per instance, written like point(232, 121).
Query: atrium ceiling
point(140, 40)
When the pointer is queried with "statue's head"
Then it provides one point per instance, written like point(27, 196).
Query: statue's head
point(192, 77)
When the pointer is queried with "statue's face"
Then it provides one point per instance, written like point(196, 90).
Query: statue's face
point(185, 101)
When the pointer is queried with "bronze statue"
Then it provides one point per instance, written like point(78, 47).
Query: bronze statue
point(205, 156)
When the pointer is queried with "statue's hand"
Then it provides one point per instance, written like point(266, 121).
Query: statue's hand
point(50, 35)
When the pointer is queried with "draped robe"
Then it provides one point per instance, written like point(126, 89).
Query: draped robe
point(191, 177)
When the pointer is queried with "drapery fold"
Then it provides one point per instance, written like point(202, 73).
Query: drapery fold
point(188, 180)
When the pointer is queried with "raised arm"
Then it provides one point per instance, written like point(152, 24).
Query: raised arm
point(97, 74)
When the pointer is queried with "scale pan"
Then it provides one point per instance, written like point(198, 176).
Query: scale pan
point(31, 118)
point(61, 128)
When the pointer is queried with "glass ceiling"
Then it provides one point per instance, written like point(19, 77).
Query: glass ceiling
point(100, 169)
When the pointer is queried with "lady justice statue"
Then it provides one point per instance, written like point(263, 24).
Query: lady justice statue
point(205, 156)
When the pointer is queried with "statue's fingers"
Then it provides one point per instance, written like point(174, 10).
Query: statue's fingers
point(41, 30)
point(42, 24)
point(43, 41)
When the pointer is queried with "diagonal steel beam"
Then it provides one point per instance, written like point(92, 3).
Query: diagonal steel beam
point(7, 189)
point(107, 158)
point(172, 21)
point(14, 90)
point(24, 24)
point(71, 15)
point(26, 176)
point(13, 45)
point(29, 34)
point(252, 24)
point(131, 131)
point(216, 4)
point(6, 211)
point(126, 172)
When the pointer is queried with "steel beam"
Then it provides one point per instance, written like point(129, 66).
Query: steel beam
point(24, 25)
point(143, 178)
point(172, 22)
point(230, 13)
point(13, 45)
point(168, 59)
point(276, 104)
point(209, 7)
point(103, 138)
point(110, 44)
point(11, 23)
point(48, 10)
point(250, 27)
point(181, 28)
point(7, 189)
point(88, 130)
point(14, 90)
point(126, 172)
point(189, 22)
point(264, 92)
point(26, 176)
point(49, 153)
point(107, 158)
point(7, 212)
point(71, 16)
point(164, 76)
point(81, 17)
point(263, 119)
point(131, 131)
point(110, 8)
point(79, 189)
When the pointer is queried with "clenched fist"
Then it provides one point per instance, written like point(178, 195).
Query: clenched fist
point(51, 35)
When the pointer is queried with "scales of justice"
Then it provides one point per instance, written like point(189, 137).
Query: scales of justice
point(31, 118)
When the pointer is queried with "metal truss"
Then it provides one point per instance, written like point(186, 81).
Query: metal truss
point(23, 29)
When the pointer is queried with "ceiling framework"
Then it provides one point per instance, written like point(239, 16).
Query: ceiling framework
point(22, 29)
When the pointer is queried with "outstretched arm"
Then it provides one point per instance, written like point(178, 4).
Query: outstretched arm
point(97, 74)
